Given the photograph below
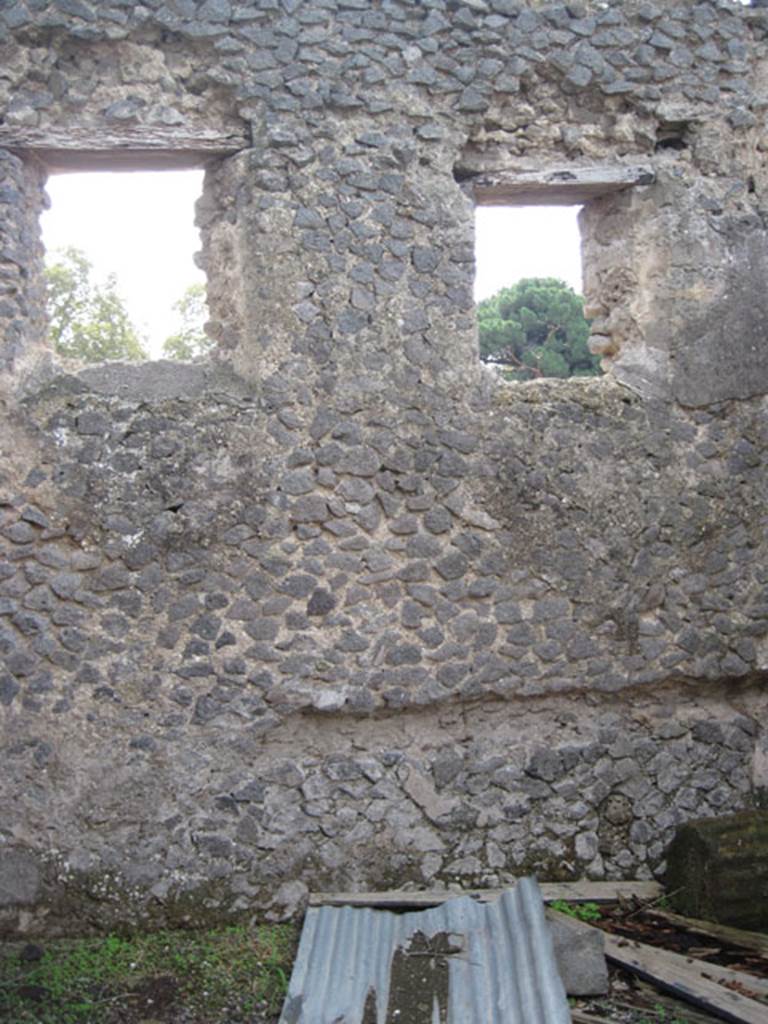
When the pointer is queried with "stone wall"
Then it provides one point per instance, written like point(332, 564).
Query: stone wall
point(340, 608)
point(22, 293)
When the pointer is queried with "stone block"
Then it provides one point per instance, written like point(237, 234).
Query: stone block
point(718, 353)
point(580, 956)
point(717, 869)
point(19, 877)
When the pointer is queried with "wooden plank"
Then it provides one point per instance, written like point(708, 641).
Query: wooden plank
point(676, 1009)
point(683, 978)
point(556, 185)
point(672, 1009)
point(574, 892)
point(756, 941)
point(758, 987)
point(716, 973)
point(600, 892)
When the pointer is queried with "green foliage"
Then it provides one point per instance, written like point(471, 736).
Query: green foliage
point(228, 973)
point(581, 911)
point(88, 321)
point(537, 327)
point(662, 1016)
point(190, 341)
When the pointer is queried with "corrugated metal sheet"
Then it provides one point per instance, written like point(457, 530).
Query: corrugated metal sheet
point(460, 963)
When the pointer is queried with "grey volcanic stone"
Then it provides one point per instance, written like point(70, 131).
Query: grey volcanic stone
point(438, 520)
point(580, 956)
point(359, 461)
point(298, 481)
point(321, 602)
point(20, 877)
point(452, 566)
point(9, 689)
point(310, 509)
point(404, 654)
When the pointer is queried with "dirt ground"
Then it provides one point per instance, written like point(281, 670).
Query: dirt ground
point(240, 975)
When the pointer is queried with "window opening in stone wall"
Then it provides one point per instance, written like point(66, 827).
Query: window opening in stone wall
point(122, 281)
point(528, 290)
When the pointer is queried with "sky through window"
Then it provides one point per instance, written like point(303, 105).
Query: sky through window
point(138, 226)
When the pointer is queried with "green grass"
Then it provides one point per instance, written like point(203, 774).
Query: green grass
point(588, 912)
point(233, 971)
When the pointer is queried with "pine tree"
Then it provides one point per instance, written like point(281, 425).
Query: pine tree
point(537, 328)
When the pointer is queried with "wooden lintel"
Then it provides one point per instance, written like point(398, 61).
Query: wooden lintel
point(146, 148)
point(574, 892)
point(557, 186)
point(59, 161)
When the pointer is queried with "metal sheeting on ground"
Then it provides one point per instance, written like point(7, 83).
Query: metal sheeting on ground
point(460, 963)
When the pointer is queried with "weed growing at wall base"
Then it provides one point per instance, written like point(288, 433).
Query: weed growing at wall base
point(235, 973)
point(588, 912)
point(661, 1016)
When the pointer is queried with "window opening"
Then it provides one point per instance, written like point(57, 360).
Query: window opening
point(122, 281)
point(528, 291)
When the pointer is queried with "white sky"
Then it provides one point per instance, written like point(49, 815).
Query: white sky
point(525, 241)
point(140, 226)
point(137, 225)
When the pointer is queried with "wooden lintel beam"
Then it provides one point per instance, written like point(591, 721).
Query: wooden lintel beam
point(556, 186)
point(59, 161)
point(121, 148)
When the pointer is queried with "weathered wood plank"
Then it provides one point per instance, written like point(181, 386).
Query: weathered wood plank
point(574, 892)
point(558, 185)
point(716, 973)
point(752, 985)
point(600, 892)
point(145, 147)
point(63, 162)
point(683, 978)
point(676, 1009)
point(756, 941)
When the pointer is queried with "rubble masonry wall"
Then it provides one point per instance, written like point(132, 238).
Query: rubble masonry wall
point(340, 609)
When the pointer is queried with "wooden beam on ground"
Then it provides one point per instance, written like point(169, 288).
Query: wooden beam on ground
point(683, 977)
point(675, 1009)
point(556, 186)
point(574, 892)
point(600, 892)
point(754, 987)
point(755, 941)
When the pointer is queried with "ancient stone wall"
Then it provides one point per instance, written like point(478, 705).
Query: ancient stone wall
point(22, 293)
point(340, 608)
